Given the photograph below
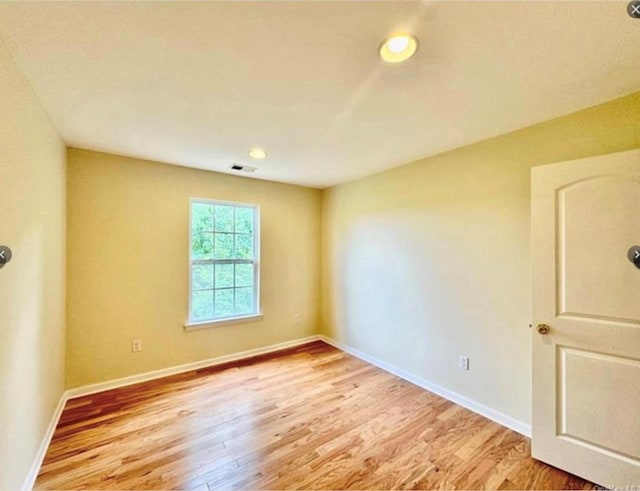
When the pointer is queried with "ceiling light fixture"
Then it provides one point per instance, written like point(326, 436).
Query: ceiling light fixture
point(398, 47)
point(257, 153)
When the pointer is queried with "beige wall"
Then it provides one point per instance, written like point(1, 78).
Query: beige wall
point(128, 224)
point(32, 207)
point(431, 260)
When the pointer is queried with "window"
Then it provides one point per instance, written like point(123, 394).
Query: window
point(224, 262)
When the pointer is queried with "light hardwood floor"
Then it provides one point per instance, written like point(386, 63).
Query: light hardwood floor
point(311, 417)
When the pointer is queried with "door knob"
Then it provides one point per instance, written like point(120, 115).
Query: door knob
point(543, 329)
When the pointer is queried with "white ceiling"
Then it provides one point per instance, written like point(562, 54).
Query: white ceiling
point(199, 83)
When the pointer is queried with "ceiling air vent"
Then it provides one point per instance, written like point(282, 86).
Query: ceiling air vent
point(243, 168)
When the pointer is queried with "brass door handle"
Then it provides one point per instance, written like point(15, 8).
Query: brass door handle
point(543, 329)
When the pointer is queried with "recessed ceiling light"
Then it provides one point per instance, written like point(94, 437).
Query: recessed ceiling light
point(257, 153)
point(398, 47)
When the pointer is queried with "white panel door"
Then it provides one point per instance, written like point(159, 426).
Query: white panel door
point(586, 290)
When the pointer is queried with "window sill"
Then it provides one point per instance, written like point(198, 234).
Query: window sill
point(194, 326)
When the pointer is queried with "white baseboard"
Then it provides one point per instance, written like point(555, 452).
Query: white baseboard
point(476, 407)
point(42, 451)
point(164, 372)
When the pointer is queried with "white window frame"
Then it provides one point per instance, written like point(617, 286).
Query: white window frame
point(233, 319)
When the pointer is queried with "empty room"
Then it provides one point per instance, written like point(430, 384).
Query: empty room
point(319, 245)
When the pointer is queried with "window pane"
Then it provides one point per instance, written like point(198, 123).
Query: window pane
point(244, 300)
point(224, 302)
point(224, 275)
point(222, 234)
point(244, 220)
point(224, 246)
point(244, 274)
point(202, 245)
point(244, 246)
point(224, 219)
point(202, 217)
point(202, 276)
point(202, 305)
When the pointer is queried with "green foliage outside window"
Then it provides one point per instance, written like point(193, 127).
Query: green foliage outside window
point(222, 232)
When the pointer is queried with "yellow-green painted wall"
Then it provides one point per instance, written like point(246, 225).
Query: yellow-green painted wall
point(128, 239)
point(428, 261)
point(32, 288)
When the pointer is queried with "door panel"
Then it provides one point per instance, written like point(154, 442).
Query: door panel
point(580, 411)
point(586, 370)
point(596, 223)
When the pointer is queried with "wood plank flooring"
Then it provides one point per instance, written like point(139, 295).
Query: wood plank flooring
point(311, 417)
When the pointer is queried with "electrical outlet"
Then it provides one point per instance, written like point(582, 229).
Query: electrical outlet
point(136, 345)
point(296, 319)
point(463, 362)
